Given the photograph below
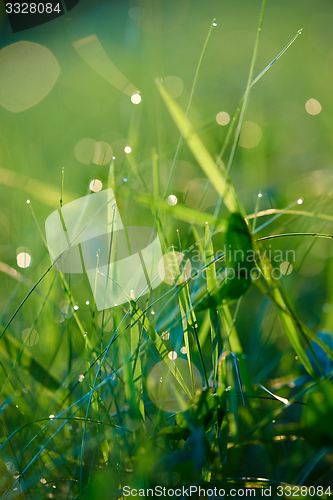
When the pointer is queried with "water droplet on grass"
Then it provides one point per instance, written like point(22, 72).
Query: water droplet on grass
point(136, 98)
point(172, 200)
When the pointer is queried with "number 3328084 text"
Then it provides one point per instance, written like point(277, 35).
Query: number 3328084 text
point(32, 8)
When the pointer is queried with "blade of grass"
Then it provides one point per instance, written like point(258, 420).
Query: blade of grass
point(221, 184)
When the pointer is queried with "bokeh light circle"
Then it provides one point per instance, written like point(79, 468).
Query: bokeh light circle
point(168, 393)
point(169, 268)
point(24, 260)
point(250, 136)
point(32, 339)
point(174, 85)
point(286, 268)
point(222, 118)
point(313, 107)
point(95, 185)
point(28, 72)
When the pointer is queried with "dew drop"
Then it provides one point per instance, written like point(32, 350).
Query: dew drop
point(81, 378)
point(87, 302)
point(51, 417)
point(172, 355)
point(76, 308)
point(136, 98)
point(28, 201)
point(259, 195)
point(300, 201)
point(128, 150)
point(125, 179)
point(172, 200)
point(113, 206)
point(214, 23)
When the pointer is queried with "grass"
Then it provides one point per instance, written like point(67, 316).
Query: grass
point(208, 380)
